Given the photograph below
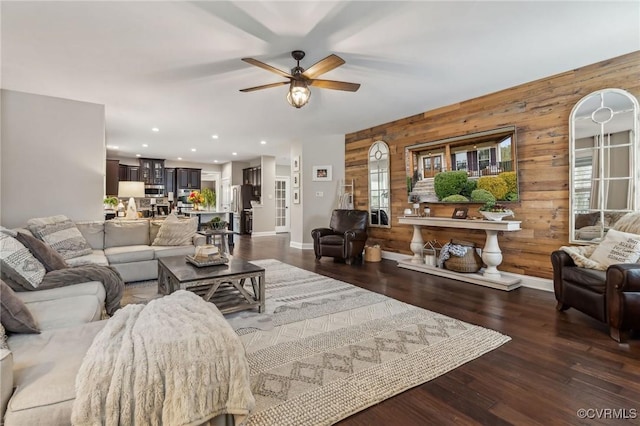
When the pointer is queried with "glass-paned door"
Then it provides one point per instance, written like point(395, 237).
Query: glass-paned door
point(282, 204)
point(432, 165)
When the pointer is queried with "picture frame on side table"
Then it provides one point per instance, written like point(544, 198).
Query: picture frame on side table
point(296, 180)
point(322, 173)
point(295, 163)
point(296, 196)
point(460, 213)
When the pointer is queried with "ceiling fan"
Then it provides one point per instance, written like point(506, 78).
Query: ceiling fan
point(300, 80)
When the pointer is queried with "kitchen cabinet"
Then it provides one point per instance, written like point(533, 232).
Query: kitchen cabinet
point(123, 172)
point(152, 171)
point(112, 177)
point(188, 178)
point(253, 176)
point(169, 180)
point(133, 173)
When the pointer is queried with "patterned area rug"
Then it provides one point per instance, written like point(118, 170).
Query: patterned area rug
point(325, 349)
point(336, 349)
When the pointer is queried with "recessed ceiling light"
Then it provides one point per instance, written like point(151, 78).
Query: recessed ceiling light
point(263, 142)
point(144, 145)
point(155, 129)
point(214, 136)
point(113, 147)
point(215, 161)
point(234, 153)
point(193, 150)
point(179, 158)
point(138, 155)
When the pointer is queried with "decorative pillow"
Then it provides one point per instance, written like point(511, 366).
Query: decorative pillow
point(18, 263)
point(61, 234)
point(3, 338)
point(617, 247)
point(176, 232)
point(14, 314)
point(50, 258)
point(629, 223)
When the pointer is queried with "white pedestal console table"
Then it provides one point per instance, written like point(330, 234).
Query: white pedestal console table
point(491, 253)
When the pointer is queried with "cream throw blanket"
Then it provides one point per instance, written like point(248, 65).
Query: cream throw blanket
point(175, 361)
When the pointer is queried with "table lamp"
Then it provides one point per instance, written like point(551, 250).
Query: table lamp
point(132, 190)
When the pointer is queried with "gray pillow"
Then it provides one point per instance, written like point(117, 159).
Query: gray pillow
point(176, 232)
point(61, 234)
point(51, 259)
point(14, 314)
point(17, 262)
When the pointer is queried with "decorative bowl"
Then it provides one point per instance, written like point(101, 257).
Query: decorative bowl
point(496, 216)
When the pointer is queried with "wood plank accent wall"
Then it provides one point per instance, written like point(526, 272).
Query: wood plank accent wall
point(540, 111)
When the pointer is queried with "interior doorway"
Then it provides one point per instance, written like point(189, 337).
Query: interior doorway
point(282, 204)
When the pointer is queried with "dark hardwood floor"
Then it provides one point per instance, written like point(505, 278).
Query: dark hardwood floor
point(555, 365)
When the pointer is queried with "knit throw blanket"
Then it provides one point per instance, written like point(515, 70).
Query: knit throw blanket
point(580, 256)
point(175, 361)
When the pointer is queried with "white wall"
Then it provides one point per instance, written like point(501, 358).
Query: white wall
point(264, 216)
point(314, 211)
point(54, 149)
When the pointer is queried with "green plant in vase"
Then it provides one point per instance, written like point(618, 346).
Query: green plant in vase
point(112, 202)
point(209, 197)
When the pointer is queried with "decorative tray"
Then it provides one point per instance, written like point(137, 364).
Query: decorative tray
point(222, 260)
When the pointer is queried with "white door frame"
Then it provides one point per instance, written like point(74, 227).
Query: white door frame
point(287, 203)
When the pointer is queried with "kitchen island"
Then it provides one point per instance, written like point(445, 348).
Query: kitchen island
point(205, 216)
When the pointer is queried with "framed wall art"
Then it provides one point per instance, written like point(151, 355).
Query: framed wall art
point(460, 213)
point(296, 196)
point(322, 173)
point(295, 163)
point(296, 180)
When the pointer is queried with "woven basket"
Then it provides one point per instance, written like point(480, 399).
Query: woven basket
point(470, 262)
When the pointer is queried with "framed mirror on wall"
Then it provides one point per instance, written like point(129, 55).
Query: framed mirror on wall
point(604, 163)
point(379, 185)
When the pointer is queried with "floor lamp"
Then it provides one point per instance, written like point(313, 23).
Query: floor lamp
point(132, 190)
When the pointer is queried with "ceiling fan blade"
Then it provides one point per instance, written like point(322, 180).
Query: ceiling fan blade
point(322, 66)
point(264, 86)
point(335, 85)
point(262, 65)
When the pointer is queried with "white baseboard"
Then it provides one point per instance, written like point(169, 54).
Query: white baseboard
point(301, 246)
point(537, 283)
point(263, 234)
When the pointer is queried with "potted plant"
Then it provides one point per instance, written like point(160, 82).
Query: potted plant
point(209, 197)
point(110, 202)
point(494, 211)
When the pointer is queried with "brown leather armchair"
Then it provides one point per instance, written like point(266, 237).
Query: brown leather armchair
point(612, 297)
point(344, 238)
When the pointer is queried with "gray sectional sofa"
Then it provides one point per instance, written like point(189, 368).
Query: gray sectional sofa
point(127, 246)
point(42, 367)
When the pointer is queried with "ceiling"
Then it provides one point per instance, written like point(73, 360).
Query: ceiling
point(176, 65)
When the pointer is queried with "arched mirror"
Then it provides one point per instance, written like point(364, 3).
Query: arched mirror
point(379, 186)
point(604, 163)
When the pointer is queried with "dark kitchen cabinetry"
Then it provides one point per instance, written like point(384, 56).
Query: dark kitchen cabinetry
point(112, 177)
point(169, 180)
point(188, 178)
point(253, 176)
point(123, 172)
point(152, 171)
point(133, 173)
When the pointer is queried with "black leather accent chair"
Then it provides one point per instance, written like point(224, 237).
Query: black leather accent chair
point(345, 237)
point(611, 296)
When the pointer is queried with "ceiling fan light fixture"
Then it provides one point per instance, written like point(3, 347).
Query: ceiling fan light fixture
point(298, 94)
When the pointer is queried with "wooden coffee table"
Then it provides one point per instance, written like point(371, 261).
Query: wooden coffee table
point(221, 284)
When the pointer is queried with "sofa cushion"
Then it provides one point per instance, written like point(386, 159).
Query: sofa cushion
point(129, 254)
point(332, 240)
point(50, 259)
point(176, 231)
point(118, 233)
point(6, 377)
point(68, 311)
point(14, 314)
point(45, 395)
point(164, 251)
point(586, 219)
point(18, 263)
point(93, 232)
point(61, 234)
point(617, 247)
point(97, 257)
